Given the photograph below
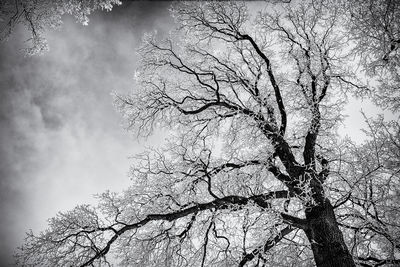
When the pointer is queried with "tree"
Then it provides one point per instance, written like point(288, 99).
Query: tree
point(39, 15)
point(375, 30)
point(372, 214)
point(254, 173)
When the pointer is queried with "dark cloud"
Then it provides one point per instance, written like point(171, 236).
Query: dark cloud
point(61, 139)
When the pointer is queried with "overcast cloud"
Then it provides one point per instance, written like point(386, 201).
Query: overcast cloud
point(61, 138)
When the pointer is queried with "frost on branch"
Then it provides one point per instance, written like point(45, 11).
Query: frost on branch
point(70, 238)
point(42, 15)
point(374, 27)
point(252, 164)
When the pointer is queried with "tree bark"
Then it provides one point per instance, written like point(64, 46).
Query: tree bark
point(325, 237)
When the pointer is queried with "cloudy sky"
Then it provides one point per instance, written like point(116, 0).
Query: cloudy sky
point(61, 138)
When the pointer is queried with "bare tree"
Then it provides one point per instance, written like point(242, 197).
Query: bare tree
point(254, 173)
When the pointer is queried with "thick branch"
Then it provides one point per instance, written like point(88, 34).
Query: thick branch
point(272, 79)
point(377, 262)
point(268, 245)
point(311, 137)
point(221, 203)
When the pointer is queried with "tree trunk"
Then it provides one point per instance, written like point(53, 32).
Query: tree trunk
point(325, 237)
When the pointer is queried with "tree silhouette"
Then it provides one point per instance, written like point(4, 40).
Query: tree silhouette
point(253, 173)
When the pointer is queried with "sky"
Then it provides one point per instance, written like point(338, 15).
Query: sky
point(62, 141)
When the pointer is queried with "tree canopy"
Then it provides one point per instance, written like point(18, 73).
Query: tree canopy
point(41, 15)
point(253, 172)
